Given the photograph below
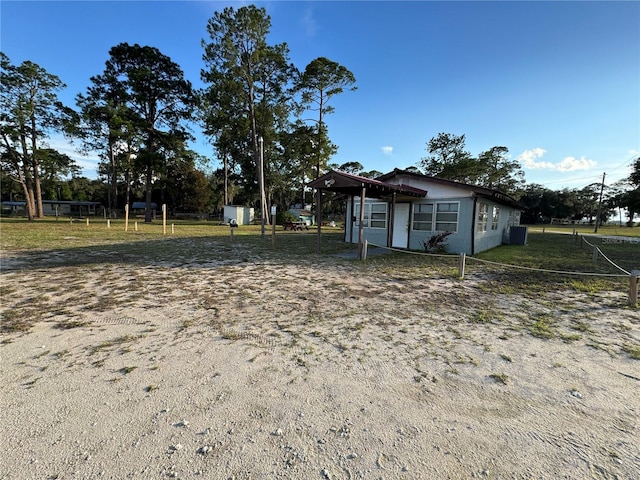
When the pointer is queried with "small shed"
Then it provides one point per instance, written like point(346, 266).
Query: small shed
point(242, 215)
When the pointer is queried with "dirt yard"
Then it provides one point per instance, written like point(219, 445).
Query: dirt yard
point(324, 369)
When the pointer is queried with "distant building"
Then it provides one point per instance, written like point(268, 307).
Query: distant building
point(303, 215)
point(241, 215)
point(66, 208)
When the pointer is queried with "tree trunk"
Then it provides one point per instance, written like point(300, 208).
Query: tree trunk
point(37, 188)
point(27, 206)
point(148, 186)
point(20, 173)
point(113, 180)
point(318, 148)
point(28, 181)
point(127, 176)
point(36, 167)
point(226, 179)
point(127, 181)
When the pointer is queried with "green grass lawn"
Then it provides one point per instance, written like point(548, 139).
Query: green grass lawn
point(555, 251)
point(148, 243)
point(199, 242)
point(588, 229)
point(46, 234)
point(566, 253)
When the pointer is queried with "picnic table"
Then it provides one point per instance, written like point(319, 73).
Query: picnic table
point(296, 226)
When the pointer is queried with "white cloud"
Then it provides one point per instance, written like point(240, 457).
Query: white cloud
point(387, 150)
point(571, 164)
point(530, 159)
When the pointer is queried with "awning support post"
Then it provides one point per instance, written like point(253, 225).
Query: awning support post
point(319, 218)
point(363, 193)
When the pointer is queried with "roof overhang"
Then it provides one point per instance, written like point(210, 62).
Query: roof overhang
point(349, 184)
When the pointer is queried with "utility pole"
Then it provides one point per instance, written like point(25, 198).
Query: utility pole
point(263, 201)
point(599, 204)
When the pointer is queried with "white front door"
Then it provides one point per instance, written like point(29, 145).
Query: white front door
point(401, 226)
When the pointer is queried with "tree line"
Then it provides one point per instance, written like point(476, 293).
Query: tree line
point(257, 109)
point(448, 158)
point(139, 111)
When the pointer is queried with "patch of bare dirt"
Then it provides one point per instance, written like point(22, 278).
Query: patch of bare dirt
point(330, 370)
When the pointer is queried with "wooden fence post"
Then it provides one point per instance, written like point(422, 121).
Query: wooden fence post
point(461, 265)
point(365, 245)
point(633, 287)
point(164, 218)
point(594, 258)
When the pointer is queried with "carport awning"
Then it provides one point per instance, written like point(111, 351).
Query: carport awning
point(350, 184)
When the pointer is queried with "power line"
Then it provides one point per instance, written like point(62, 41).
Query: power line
point(594, 178)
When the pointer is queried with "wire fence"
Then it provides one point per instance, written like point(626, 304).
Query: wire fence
point(463, 258)
point(597, 251)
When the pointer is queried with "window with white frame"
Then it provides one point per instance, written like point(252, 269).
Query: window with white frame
point(483, 217)
point(495, 220)
point(375, 215)
point(442, 217)
point(378, 215)
point(447, 217)
point(423, 216)
point(514, 218)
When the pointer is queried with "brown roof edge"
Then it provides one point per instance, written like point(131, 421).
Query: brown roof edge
point(341, 181)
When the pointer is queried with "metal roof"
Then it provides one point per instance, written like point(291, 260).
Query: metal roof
point(350, 184)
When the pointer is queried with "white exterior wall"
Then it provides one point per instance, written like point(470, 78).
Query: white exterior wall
point(242, 215)
point(434, 190)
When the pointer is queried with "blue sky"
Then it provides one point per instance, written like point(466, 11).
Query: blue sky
point(557, 83)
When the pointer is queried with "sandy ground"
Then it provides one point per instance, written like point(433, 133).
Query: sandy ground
point(328, 369)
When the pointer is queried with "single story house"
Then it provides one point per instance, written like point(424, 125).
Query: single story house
point(403, 209)
point(66, 208)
